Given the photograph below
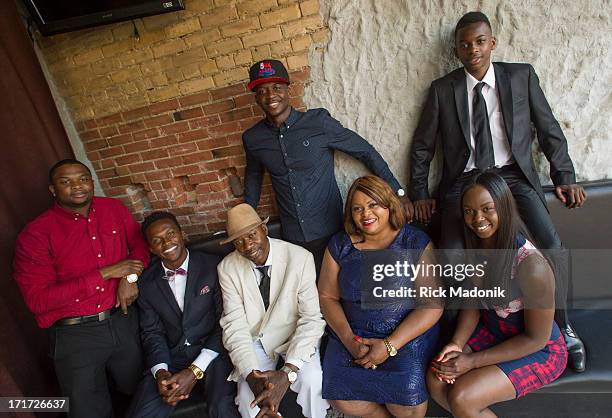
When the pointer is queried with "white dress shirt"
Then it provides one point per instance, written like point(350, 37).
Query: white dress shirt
point(258, 276)
point(501, 146)
point(178, 286)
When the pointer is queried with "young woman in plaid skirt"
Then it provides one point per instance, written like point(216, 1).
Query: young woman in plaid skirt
point(511, 346)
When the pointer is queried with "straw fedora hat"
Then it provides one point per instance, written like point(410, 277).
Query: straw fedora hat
point(241, 219)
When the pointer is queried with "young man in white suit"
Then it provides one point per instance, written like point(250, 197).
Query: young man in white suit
point(270, 308)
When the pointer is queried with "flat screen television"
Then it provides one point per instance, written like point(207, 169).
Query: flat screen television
point(57, 16)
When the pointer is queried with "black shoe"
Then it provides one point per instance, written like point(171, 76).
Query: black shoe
point(575, 348)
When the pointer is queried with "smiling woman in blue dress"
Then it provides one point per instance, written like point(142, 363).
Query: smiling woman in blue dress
point(376, 358)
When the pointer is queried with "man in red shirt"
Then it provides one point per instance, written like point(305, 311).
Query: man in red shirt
point(71, 264)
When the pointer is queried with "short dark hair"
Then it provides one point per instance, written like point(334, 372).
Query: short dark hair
point(61, 163)
point(470, 18)
point(156, 216)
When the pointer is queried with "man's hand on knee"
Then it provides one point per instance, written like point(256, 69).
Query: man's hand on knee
point(424, 209)
point(572, 195)
point(184, 382)
point(409, 208)
point(257, 382)
point(165, 389)
point(262, 389)
point(277, 385)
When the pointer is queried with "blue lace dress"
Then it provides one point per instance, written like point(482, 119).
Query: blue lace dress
point(400, 379)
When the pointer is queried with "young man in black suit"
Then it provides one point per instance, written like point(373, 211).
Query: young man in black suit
point(180, 306)
point(483, 114)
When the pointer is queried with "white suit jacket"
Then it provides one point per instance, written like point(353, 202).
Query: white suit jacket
point(292, 325)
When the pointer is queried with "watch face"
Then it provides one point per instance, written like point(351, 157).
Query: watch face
point(390, 348)
point(292, 376)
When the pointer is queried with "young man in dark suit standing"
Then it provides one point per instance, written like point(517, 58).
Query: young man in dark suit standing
point(483, 114)
point(180, 307)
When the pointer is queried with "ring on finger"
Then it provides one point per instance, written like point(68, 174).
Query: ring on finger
point(374, 366)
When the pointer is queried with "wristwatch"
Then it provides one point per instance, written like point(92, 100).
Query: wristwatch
point(291, 375)
point(401, 192)
point(390, 348)
point(132, 278)
point(197, 372)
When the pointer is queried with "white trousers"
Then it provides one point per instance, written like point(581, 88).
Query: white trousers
point(307, 386)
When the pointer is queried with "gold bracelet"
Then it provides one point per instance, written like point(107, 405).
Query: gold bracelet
point(197, 372)
point(390, 348)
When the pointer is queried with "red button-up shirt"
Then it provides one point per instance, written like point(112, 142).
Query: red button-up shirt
point(59, 254)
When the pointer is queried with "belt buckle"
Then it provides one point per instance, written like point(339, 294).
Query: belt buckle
point(104, 315)
point(87, 318)
point(98, 317)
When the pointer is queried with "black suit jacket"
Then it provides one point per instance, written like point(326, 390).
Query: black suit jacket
point(164, 328)
point(523, 105)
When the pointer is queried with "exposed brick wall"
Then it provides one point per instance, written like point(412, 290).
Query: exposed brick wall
point(177, 154)
point(161, 115)
point(106, 70)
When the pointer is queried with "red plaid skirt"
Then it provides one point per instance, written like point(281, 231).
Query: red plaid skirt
point(531, 372)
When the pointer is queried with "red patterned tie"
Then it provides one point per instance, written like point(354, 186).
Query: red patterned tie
point(171, 274)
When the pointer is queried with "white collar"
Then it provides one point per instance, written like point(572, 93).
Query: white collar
point(183, 266)
point(488, 79)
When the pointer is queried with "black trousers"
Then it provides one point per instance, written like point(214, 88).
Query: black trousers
point(86, 355)
point(534, 214)
point(317, 248)
point(218, 393)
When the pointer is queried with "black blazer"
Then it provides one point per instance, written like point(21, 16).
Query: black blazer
point(522, 103)
point(164, 328)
